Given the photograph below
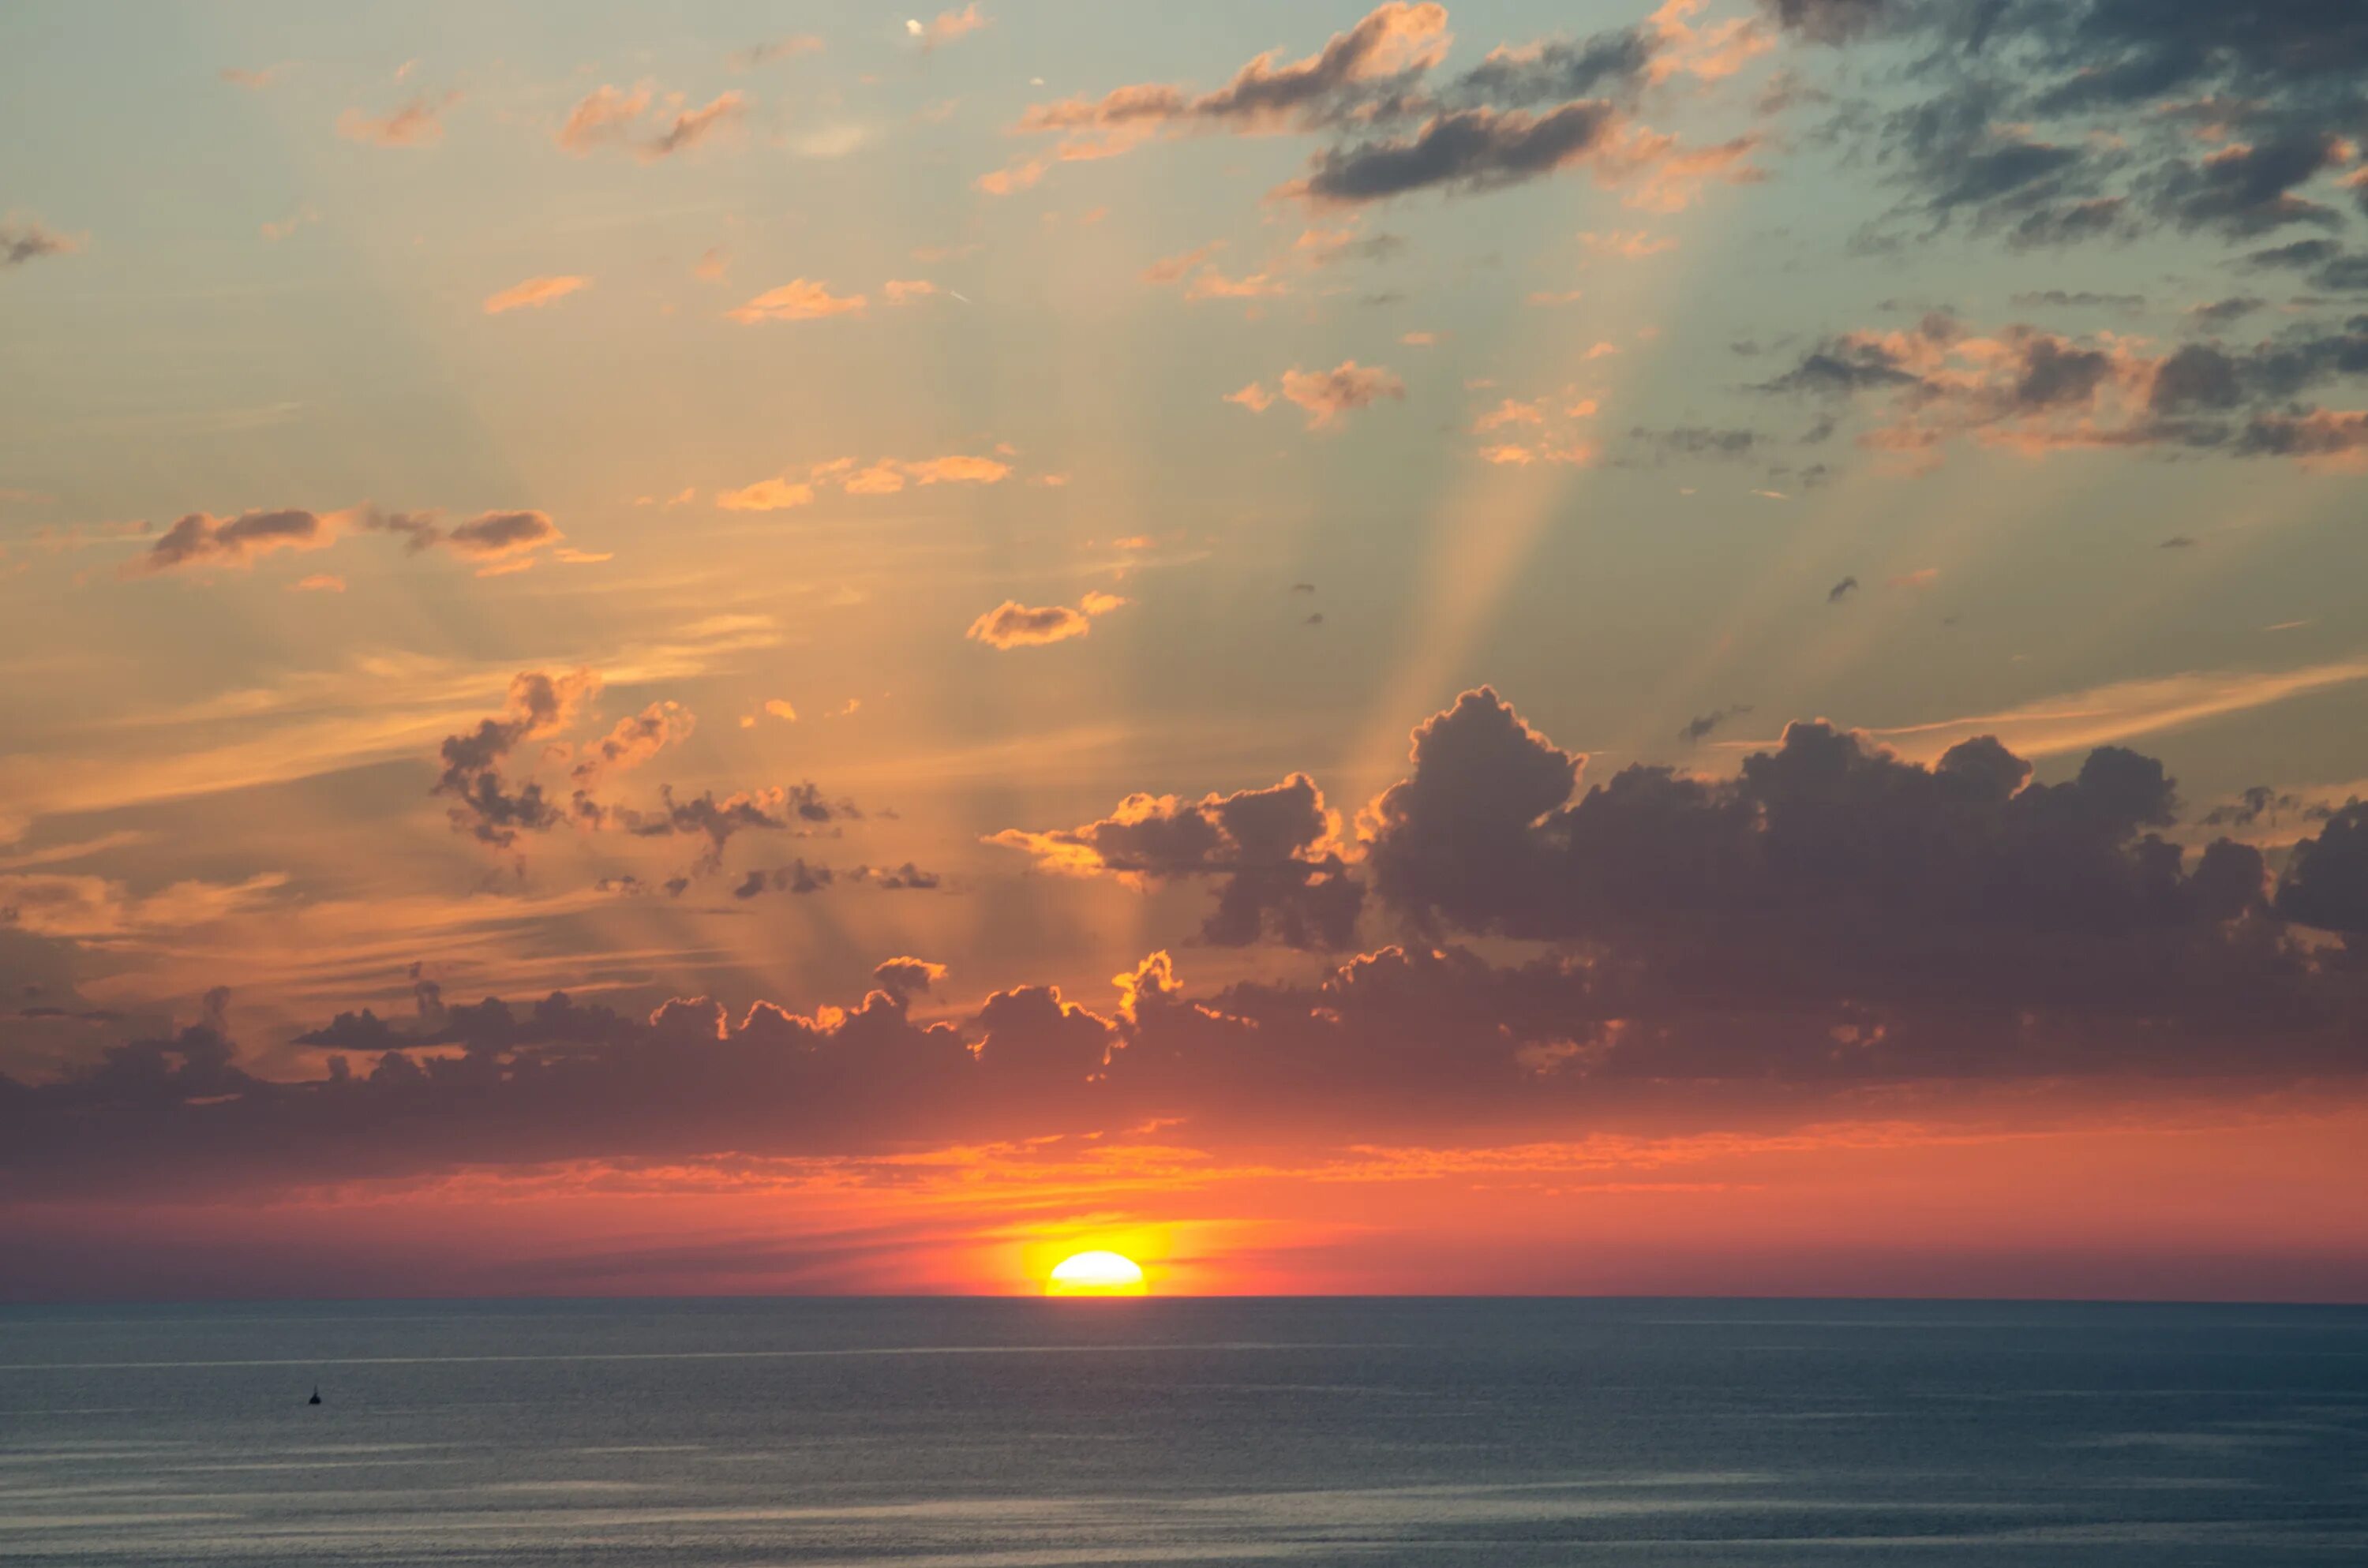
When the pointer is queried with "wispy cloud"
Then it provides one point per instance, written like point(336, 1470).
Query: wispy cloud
point(534, 293)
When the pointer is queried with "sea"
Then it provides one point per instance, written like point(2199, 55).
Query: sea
point(1013, 1434)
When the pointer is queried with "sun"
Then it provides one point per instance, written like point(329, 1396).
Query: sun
point(1096, 1274)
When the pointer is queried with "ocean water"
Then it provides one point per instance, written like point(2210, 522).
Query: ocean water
point(1007, 1433)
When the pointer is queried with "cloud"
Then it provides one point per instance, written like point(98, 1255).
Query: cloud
point(801, 299)
point(417, 123)
point(1699, 441)
point(1390, 45)
point(24, 239)
point(1326, 395)
point(781, 710)
point(2075, 123)
point(688, 128)
point(612, 117)
point(632, 742)
point(497, 803)
point(203, 540)
point(956, 468)
point(318, 583)
point(907, 976)
point(1478, 149)
point(884, 476)
point(1276, 853)
point(1013, 625)
point(2028, 390)
point(1700, 727)
point(902, 289)
point(1831, 925)
point(1841, 590)
point(487, 537)
point(540, 705)
point(766, 495)
point(947, 26)
point(534, 293)
point(600, 116)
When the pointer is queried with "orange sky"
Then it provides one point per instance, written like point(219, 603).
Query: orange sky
point(1520, 646)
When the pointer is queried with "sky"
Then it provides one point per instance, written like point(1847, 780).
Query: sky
point(1521, 647)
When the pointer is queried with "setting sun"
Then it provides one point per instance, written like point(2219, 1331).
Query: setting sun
point(1096, 1274)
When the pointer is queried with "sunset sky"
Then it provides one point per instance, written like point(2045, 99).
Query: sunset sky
point(1515, 647)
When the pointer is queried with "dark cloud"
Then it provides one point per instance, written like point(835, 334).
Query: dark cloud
point(796, 877)
point(2078, 300)
point(2035, 391)
point(1841, 590)
point(2217, 313)
point(1378, 61)
point(2060, 123)
point(2245, 191)
point(201, 540)
point(2329, 265)
point(1829, 920)
point(540, 705)
point(798, 810)
point(907, 976)
point(1275, 851)
point(2325, 882)
point(23, 240)
point(800, 876)
point(1476, 149)
point(1607, 64)
point(1697, 441)
point(1700, 726)
point(490, 808)
point(490, 536)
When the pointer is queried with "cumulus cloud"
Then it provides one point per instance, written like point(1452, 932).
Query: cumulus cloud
point(1326, 395)
point(907, 976)
point(496, 802)
point(1013, 625)
point(1827, 921)
point(540, 705)
point(534, 293)
point(632, 742)
point(1276, 852)
point(801, 299)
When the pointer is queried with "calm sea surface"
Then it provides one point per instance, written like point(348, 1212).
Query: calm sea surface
point(1004, 1434)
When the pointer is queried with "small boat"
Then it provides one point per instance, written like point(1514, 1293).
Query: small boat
point(316, 1396)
